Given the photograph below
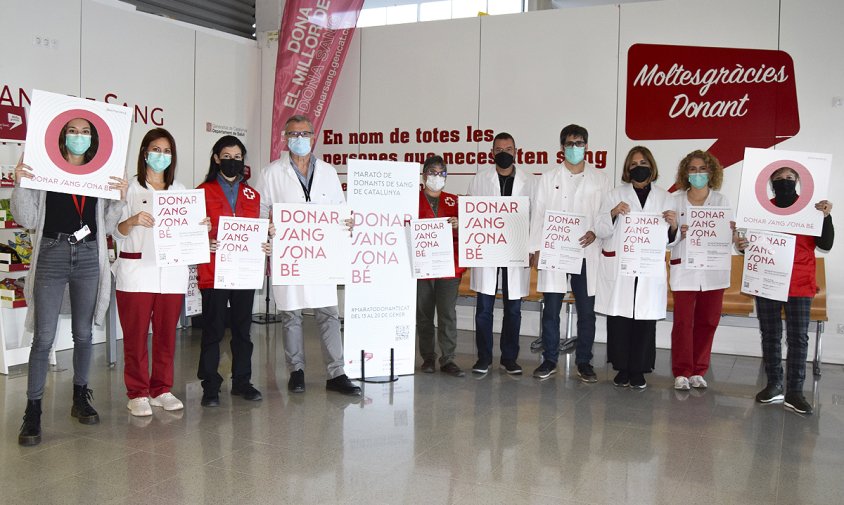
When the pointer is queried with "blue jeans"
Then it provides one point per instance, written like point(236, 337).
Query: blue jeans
point(585, 306)
point(509, 329)
point(59, 264)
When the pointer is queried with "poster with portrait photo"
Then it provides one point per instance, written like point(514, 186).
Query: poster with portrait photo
point(74, 145)
point(756, 208)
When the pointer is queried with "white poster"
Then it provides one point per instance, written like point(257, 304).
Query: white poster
point(180, 239)
point(768, 260)
point(239, 260)
point(755, 207)
point(432, 248)
point(561, 250)
point(193, 297)
point(645, 237)
point(380, 309)
point(709, 238)
point(102, 141)
point(494, 231)
point(311, 244)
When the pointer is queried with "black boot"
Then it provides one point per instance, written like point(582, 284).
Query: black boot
point(31, 428)
point(82, 409)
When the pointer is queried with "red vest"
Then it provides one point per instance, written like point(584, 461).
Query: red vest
point(447, 207)
point(216, 204)
point(803, 282)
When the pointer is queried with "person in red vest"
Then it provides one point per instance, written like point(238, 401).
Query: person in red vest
point(802, 289)
point(438, 294)
point(226, 194)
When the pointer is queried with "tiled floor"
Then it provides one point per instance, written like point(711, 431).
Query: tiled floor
point(431, 439)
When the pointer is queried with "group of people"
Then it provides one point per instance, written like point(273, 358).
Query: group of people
point(70, 272)
point(632, 304)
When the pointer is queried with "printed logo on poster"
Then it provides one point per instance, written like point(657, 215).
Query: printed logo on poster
point(110, 124)
point(756, 208)
point(12, 123)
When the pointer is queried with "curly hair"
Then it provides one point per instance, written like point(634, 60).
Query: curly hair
point(716, 171)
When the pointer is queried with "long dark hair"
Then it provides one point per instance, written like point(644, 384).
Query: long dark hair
point(95, 141)
point(149, 138)
point(224, 142)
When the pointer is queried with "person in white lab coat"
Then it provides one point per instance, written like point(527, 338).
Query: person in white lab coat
point(503, 180)
point(577, 187)
point(698, 294)
point(299, 177)
point(632, 304)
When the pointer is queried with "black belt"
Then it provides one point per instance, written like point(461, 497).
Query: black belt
point(68, 237)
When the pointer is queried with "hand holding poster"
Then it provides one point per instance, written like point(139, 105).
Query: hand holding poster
point(709, 238)
point(768, 261)
point(311, 244)
point(561, 250)
point(493, 231)
point(239, 260)
point(645, 236)
point(75, 145)
point(431, 248)
point(180, 239)
point(756, 208)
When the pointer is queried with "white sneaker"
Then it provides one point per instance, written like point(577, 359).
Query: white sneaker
point(697, 381)
point(681, 383)
point(139, 407)
point(167, 401)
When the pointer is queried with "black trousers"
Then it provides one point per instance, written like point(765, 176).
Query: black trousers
point(214, 303)
point(631, 344)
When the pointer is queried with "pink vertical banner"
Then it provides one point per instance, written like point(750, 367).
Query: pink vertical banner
point(312, 46)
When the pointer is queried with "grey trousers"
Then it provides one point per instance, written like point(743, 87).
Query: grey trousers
point(328, 321)
point(439, 294)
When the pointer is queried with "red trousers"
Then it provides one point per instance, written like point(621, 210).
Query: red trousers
point(136, 311)
point(696, 317)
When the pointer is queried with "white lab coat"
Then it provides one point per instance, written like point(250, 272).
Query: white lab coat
point(682, 278)
point(483, 279)
point(278, 183)
point(552, 194)
point(615, 291)
point(142, 275)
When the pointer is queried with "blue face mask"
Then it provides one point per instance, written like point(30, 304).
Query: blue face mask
point(77, 144)
point(300, 146)
point(158, 162)
point(574, 155)
point(699, 181)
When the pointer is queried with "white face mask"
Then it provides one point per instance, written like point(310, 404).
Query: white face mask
point(435, 182)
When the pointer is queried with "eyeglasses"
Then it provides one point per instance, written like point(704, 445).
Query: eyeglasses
point(578, 143)
point(441, 173)
point(299, 134)
point(508, 149)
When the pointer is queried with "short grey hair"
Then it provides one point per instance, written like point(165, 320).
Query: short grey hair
point(298, 118)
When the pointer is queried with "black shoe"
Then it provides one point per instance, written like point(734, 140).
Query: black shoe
point(771, 394)
point(545, 370)
point(511, 367)
point(342, 385)
point(480, 367)
point(637, 381)
point(621, 379)
point(82, 409)
point(210, 399)
point(296, 384)
point(429, 366)
point(248, 392)
point(586, 373)
point(452, 369)
point(797, 402)
point(30, 433)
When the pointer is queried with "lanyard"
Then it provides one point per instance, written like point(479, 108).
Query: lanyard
point(307, 189)
point(79, 207)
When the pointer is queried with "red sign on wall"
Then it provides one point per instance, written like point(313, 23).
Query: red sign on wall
point(741, 97)
point(12, 123)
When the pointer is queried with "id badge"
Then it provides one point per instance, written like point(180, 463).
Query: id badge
point(81, 233)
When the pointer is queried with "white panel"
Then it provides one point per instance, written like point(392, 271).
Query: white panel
point(544, 70)
point(227, 99)
point(145, 62)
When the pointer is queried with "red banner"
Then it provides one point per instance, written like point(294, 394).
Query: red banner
point(12, 123)
point(312, 45)
point(741, 97)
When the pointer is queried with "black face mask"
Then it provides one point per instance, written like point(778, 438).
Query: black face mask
point(504, 159)
point(785, 191)
point(231, 167)
point(640, 173)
